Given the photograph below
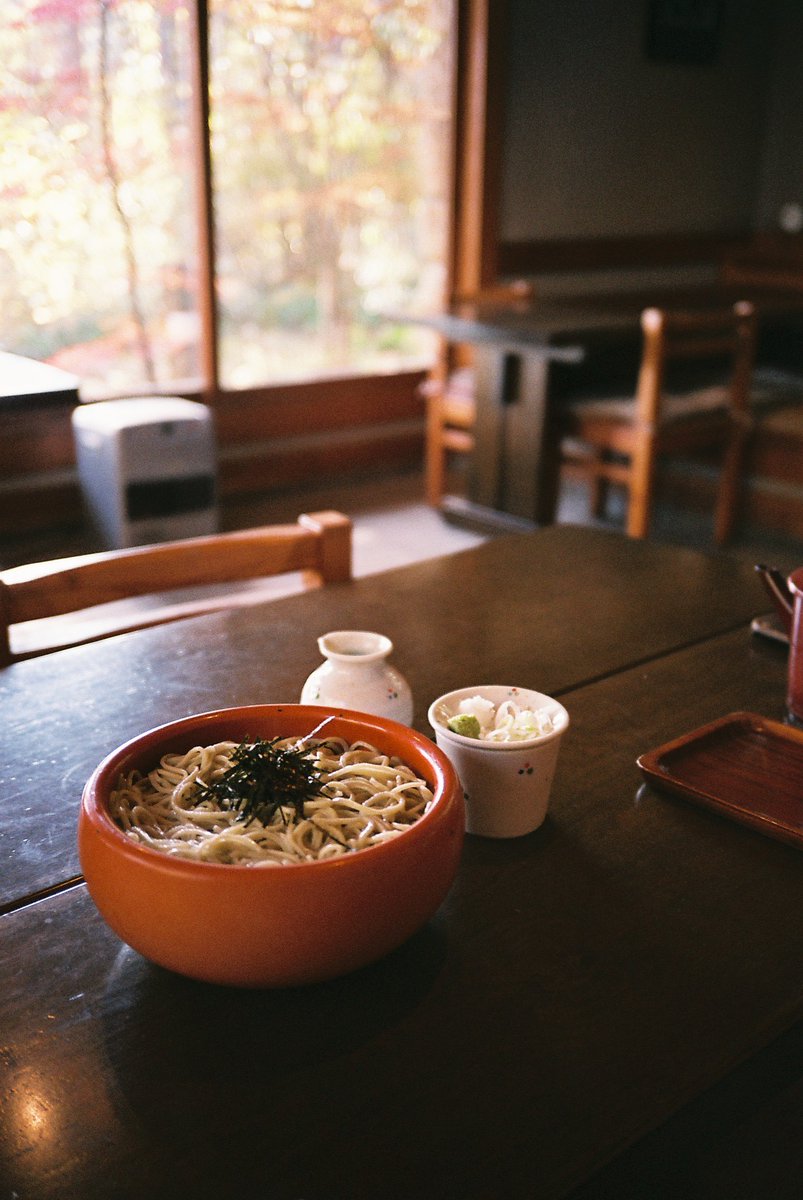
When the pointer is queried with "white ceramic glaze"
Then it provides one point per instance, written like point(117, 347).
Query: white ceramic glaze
point(356, 674)
point(506, 784)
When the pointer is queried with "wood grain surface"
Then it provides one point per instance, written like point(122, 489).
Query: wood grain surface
point(577, 987)
point(547, 611)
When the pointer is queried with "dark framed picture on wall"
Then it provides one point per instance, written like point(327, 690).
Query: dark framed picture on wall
point(683, 31)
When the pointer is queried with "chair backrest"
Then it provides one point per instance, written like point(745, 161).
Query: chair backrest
point(318, 546)
point(726, 337)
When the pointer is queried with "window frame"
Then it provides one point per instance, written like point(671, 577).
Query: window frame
point(473, 192)
point(284, 435)
point(389, 404)
point(474, 202)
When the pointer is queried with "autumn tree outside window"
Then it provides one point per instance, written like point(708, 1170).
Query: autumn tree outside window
point(329, 132)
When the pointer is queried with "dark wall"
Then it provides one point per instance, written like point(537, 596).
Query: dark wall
point(602, 140)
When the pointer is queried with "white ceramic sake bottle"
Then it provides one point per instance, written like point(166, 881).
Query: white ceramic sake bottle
point(357, 675)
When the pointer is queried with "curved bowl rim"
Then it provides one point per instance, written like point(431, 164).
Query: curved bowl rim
point(94, 810)
point(479, 744)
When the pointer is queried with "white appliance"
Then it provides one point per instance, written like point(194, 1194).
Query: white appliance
point(147, 467)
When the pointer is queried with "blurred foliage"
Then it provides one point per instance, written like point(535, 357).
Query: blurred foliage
point(330, 126)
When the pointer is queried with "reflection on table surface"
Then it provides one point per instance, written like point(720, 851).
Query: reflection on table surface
point(577, 986)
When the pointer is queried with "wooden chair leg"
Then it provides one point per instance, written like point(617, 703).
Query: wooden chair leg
point(598, 487)
point(729, 487)
point(599, 496)
point(435, 461)
point(586, 466)
point(642, 482)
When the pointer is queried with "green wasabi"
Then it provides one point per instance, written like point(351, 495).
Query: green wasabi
point(465, 723)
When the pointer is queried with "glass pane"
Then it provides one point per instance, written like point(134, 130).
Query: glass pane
point(330, 142)
point(98, 258)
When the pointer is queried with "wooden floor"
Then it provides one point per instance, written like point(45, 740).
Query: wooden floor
point(393, 525)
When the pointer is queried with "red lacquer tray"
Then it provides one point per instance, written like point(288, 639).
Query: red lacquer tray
point(742, 766)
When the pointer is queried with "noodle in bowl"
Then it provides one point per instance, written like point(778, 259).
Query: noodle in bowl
point(291, 902)
point(367, 798)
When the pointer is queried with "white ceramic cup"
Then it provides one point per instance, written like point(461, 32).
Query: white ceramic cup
point(506, 784)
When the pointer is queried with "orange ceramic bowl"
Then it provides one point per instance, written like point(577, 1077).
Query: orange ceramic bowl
point(280, 925)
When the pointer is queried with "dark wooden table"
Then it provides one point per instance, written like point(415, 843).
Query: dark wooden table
point(577, 987)
point(518, 352)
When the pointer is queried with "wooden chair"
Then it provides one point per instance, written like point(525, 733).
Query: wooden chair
point(619, 440)
point(449, 393)
point(318, 547)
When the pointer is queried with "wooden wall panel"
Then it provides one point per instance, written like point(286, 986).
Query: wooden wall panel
point(267, 439)
point(536, 256)
point(342, 459)
point(314, 407)
point(33, 442)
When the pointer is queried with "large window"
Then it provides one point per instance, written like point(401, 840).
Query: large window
point(329, 133)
